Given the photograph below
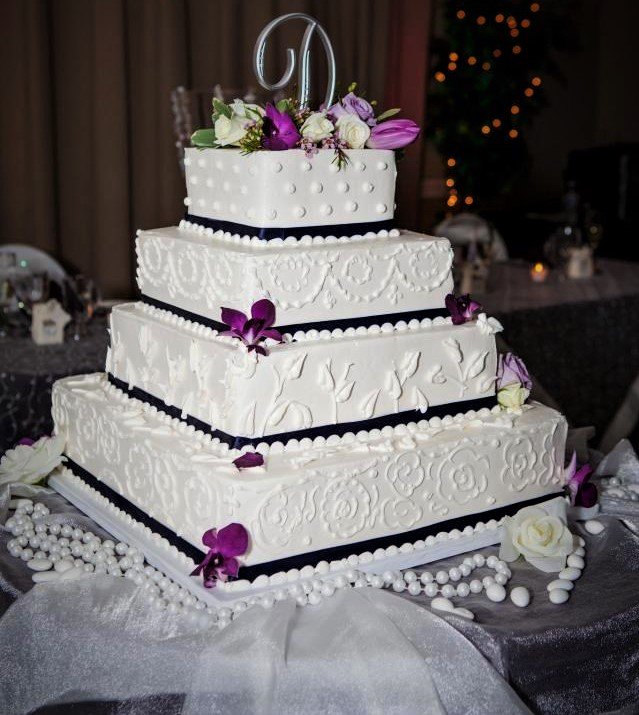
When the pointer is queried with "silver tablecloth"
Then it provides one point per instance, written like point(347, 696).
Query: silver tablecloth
point(361, 651)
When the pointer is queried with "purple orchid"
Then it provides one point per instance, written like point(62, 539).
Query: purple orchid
point(581, 490)
point(220, 563)
point(279, 130)
point(393, 134)
point(462, 309)
point(352, 104)
point(26, 441)
point(248, 460)
point(251, 331)
point(511, 370)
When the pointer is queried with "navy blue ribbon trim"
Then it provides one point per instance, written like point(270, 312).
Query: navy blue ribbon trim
point(397, 418)
point(133, 511)
point(343, 323)
point(268, 234)
point(333, 553)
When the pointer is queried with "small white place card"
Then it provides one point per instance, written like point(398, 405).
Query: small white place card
point(48, 321)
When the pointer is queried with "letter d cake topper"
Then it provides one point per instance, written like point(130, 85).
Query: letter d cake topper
point(304, 69)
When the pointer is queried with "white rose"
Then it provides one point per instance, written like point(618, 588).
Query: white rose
point(30, 464)
point(229, 132)
point(513, 396)
point(540, 535)
point(353, 130)
point(317, 127)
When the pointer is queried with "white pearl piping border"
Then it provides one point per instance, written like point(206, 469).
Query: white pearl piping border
point(300, 336)
point(66, 553)
point(294, 445)
point(303, 241)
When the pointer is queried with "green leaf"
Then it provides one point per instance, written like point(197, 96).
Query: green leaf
point(203, 138)
point(282, 105)
point(352, 86)
point(388, 114)
point(252, 113)
point(221, 108)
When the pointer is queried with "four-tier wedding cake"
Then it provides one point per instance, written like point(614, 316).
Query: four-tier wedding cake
point(297, 367)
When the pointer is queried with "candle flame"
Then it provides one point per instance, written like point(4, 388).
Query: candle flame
point(538, 268)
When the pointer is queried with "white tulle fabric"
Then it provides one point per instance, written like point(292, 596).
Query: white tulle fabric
point(362, 651)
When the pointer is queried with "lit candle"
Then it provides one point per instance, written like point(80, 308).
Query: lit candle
point(539, 272)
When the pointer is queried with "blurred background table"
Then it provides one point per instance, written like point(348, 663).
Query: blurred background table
point(579, 338)
point(27, 372)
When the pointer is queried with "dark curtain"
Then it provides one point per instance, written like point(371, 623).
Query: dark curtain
point(87, 151)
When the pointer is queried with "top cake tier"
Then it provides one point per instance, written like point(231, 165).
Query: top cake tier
point(286, 189)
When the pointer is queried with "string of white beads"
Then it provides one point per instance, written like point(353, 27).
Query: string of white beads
point(61, 552)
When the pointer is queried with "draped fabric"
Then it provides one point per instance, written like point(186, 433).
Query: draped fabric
point(87, 150)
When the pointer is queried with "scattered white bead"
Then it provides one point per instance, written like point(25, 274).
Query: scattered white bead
point(593, 526)
point(496, 592)
point(570, 573)
point(476, 586)
point(576, 561)
point(464, 613)
point(562, 583)
point(520, 596)
point(558, 595)
point(442, 604)
point(39, 564)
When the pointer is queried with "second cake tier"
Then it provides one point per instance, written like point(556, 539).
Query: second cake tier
point(330, 382)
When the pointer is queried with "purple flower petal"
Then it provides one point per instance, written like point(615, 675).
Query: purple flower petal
point(393, 134)
point(511, 370)
point(279, 130)
point(248, 460)
point(235, 319)
point(264, 310)
point(582, 475)
point(209, 538)
point(231, 567)
point(26, 442)
point(359, 107)
point(252, 330)
point(232, 540)
point(587, 496)
point(273, 334)
point(461, 309)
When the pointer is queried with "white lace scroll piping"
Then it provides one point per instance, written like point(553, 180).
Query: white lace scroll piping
point(304, 69)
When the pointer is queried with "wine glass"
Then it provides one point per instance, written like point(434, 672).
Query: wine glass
point(83, 300)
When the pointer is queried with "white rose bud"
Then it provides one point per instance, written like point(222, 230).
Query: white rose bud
point(540, 535)
point(240, 107)
point(513, 396)
point(353, 131)
point(317, 127)
point(229, 132)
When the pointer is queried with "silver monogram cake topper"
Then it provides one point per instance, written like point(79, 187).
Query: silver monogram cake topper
point(304, 69)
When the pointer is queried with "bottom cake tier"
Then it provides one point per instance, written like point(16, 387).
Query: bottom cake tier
point(324, 500)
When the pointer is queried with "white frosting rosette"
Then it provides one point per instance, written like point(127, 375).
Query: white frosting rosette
point(30, 464)
point(539, 534)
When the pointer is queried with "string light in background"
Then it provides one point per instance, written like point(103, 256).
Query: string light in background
point(514, 31)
